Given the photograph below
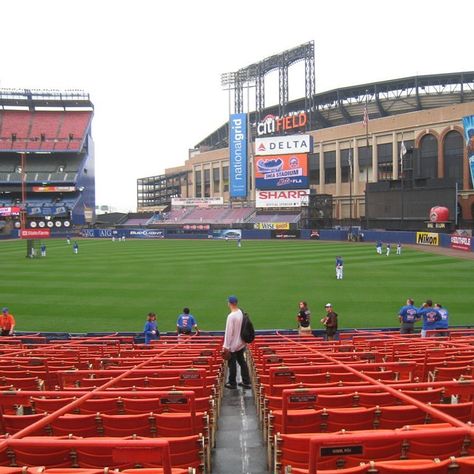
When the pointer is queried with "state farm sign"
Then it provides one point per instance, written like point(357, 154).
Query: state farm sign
point(282, 198)
point(283, 145)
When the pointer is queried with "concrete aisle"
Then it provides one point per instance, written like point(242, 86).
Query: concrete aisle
point(239, 444)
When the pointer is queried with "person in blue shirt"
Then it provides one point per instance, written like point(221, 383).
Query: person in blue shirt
point(75, 247)
point(407, 317)
point(429, 315)
point(443, 323)
point(186, 322)
point(378, 247)
point(339, 268)
point(43, 250)
point(151, 329)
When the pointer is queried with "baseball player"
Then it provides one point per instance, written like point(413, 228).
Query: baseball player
point(339, 268)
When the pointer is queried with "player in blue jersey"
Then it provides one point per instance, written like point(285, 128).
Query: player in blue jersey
point(443, 323)
point(429, 315)
point(339, 268)
point(186, 323)
point(378, 247)
point(407, 317)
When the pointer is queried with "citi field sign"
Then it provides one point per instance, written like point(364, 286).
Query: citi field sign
point(283, 145)
point(272, 124)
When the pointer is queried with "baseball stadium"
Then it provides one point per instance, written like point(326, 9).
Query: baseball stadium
point(340, 223)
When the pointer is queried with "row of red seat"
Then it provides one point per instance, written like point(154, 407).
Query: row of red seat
point(108, 415)
point(352, 387)
point(42, 130)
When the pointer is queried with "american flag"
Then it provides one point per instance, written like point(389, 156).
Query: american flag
point(403, 152)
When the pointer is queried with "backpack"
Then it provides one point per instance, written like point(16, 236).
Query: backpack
point(247, 331)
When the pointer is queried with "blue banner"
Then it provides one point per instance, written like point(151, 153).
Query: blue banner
point(38, 211)
point(469, 136)
point(238, 155)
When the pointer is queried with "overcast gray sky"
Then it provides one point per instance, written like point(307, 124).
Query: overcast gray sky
point(153, 68)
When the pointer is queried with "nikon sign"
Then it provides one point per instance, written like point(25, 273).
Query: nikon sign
point(427, 238)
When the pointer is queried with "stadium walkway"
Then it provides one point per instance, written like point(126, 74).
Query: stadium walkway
point(239, 444)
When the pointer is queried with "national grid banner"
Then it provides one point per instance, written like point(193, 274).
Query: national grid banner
point(238, 155)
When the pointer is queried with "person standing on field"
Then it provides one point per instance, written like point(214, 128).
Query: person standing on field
point(339, 268)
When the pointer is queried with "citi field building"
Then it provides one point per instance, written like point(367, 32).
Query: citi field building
point(376, 155)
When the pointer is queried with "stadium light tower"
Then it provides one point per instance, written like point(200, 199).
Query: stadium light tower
point(23, 192)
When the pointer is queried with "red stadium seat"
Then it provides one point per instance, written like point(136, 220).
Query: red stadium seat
point(14, 423)
point(462, 411)
point(76, 425)
point(129, 425)
point(48, 405)
point(399, 416)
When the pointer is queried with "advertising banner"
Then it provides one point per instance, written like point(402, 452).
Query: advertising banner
point(281, 171)
point(238, 155)
point(271, 225)
point(282, 198)
point(35, 233)
point(273, 124)
point(461, 242)
point(113, 233)
point(427, 238)
point(283, 145)
point(200, 202)
point(9, 211)
point(227, 234)
point(47, 211)
point(54, 189)
point(468, 123)
point(196, 227)
point(286, 234)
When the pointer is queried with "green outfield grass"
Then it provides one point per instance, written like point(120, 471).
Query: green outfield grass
point(111, 286)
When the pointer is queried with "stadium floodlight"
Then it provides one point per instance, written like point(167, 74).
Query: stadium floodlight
point(227, 79)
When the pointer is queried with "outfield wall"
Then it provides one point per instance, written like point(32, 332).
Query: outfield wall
point(392, 237)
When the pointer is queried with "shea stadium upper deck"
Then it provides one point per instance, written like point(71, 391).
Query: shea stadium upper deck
point(33, 99)
point(346, 105)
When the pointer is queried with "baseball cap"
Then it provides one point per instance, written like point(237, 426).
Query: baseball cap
point(328, 305)
point(232, 299)
point(5, 310)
